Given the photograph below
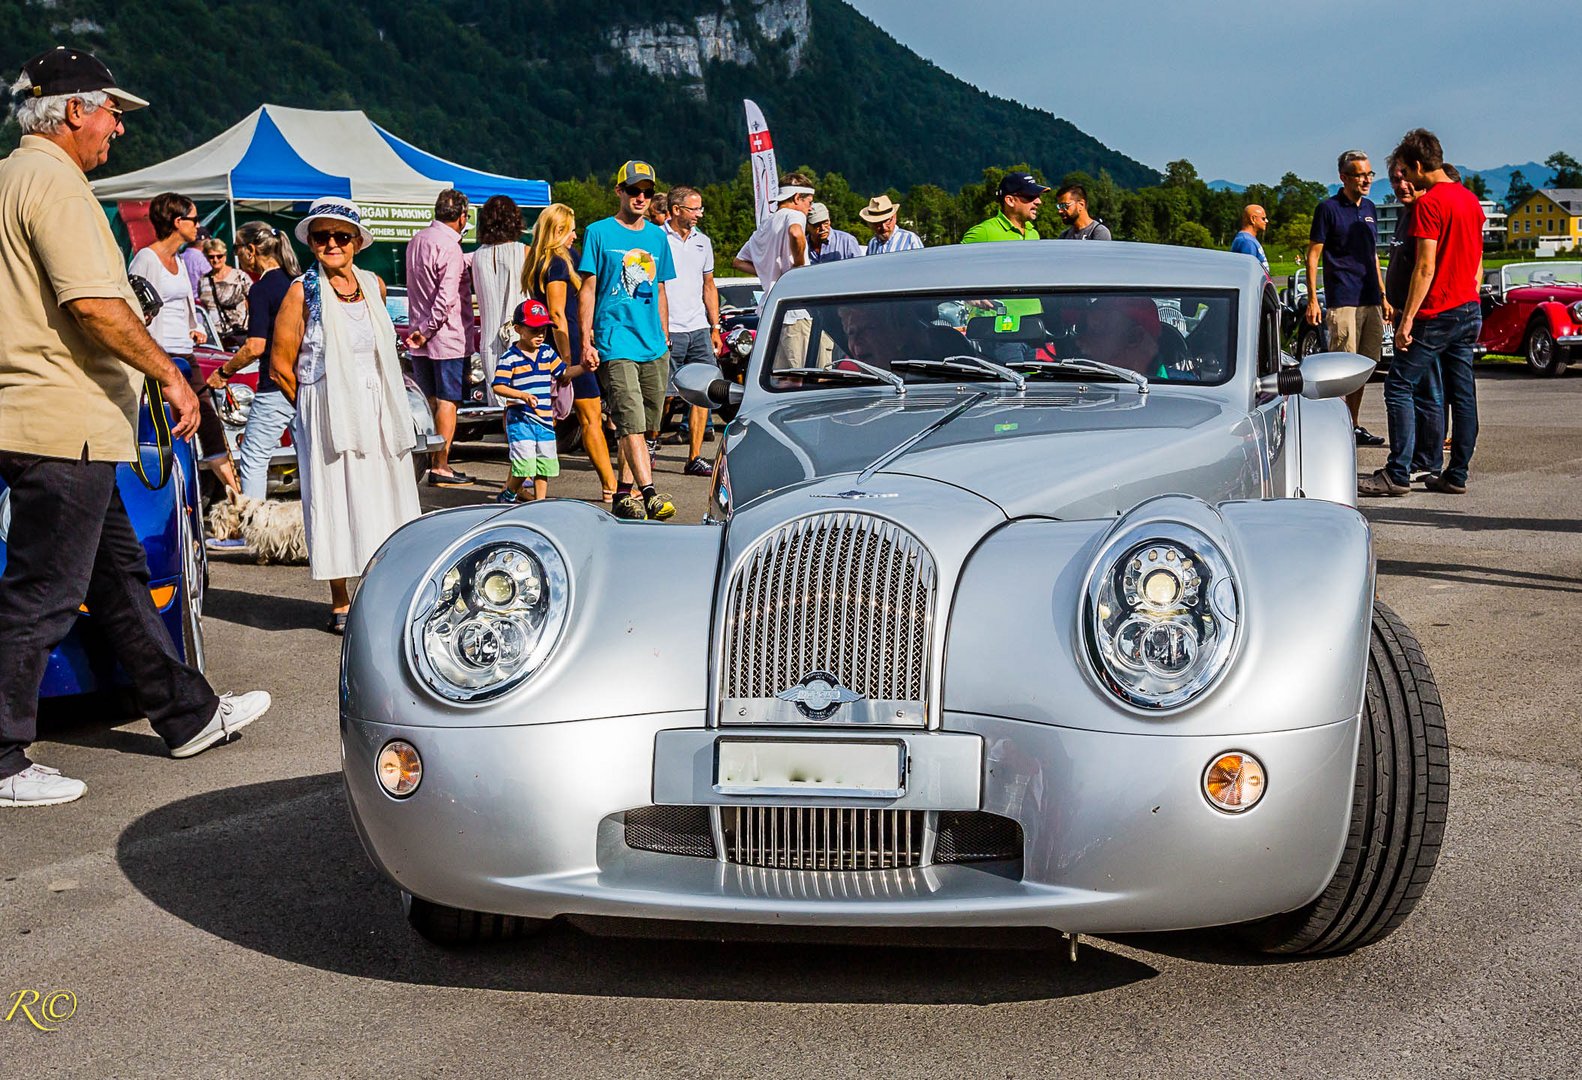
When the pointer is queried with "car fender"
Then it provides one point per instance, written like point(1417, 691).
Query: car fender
point(635, 640)
point(1557, 316)
point(1303, 573)
point(1327, 449)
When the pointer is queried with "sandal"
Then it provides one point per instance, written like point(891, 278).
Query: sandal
point(337, 623)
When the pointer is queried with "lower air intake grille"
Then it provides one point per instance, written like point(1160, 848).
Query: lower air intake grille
point(822, 838)
point(975, 837)
point(674, 830)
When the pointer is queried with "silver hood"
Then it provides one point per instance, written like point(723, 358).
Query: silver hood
point(1057, 450)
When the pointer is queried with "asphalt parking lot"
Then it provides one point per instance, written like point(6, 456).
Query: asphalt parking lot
point(217, 917)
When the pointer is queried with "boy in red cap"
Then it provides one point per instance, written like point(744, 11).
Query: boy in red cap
point(526, 378)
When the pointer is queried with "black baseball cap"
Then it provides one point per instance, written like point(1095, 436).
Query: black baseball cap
point(1021, 184)
point(65, 70)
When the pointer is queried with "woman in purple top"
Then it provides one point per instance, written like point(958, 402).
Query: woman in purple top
point(550, 276)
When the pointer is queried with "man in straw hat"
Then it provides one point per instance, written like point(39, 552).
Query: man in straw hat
point(881, 214)
point(74, 353)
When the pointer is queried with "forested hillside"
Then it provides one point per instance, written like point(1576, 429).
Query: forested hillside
point(561, 88)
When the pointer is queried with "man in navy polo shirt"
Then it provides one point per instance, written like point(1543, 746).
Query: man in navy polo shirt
point(1345, 235)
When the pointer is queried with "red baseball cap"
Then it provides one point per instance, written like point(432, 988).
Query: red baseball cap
point(531, 313)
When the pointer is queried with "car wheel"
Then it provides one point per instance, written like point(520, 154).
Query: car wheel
point(1543, 355)
point(194, 581)
point(1397, 813)
point(1309, 340)
point(452, 926)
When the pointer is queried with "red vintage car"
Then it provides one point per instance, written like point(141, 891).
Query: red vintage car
point(1534, 310)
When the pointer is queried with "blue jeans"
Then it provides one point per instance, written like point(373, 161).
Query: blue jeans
point(267, 420)
point(1444, 341)
point(1429, 398)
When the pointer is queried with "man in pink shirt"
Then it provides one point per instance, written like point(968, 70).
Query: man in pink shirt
point(440, 306)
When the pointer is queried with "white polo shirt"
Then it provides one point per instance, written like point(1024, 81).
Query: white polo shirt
point(694, 259)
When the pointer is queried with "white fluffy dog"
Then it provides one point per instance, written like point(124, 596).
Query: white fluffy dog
point(271, 527)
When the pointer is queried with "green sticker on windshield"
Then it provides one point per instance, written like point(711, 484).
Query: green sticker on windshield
point(1004, 324)
point(1000, 429)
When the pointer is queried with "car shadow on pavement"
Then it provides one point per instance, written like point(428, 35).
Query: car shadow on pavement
point(1499, 576)
point(265, 611)
point(1454, 519)
point(277, 867)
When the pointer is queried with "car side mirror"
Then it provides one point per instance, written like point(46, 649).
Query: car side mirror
point(705, 386)
point(1320, 375)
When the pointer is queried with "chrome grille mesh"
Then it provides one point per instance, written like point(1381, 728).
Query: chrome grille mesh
point(822, 838)
point(845, 593)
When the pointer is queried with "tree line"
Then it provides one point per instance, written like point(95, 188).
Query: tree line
point(1182, 210)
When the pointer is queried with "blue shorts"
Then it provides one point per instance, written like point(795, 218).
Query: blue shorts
point(440, 378)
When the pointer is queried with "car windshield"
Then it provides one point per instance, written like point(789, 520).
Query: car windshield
point(1542, 273)
point(742, 297)
point(396, 305)
point(1166, 336)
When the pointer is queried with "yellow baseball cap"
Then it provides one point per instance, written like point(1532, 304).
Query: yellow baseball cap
point(635, 172)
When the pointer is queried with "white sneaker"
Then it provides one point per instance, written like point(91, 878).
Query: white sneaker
point(236, 711)
point(40, 785)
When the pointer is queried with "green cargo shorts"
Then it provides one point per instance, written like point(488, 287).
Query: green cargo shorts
point(635, 391)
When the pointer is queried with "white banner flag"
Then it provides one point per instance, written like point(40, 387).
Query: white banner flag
point(761, 150)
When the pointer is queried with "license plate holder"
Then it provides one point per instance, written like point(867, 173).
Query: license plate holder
point(841, 768)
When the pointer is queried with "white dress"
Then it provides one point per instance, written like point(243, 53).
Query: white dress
point(497, 283)
point(351, 502)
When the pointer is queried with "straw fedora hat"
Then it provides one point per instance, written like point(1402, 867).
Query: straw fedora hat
point(879, 208)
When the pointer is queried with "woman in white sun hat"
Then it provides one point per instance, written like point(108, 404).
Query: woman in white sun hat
point(334, 354)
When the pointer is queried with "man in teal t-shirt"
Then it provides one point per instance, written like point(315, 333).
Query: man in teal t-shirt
point(626, 261)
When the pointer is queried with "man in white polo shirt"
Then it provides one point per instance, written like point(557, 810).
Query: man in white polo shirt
point(694, 307)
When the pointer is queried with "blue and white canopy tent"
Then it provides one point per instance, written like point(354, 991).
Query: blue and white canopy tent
point(279, 156)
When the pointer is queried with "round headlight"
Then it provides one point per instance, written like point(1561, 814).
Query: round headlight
point(1576, 312)
point(490, 615)
point(399, 767)
point(1161, 615)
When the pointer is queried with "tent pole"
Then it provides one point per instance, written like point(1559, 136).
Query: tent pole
point(230, 198)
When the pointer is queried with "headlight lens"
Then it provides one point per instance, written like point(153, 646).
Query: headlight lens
point(1576, 312)
point(1162, 615)
point(236, 402)
point(742, 342)
point(490, 617)
point(1234, 782)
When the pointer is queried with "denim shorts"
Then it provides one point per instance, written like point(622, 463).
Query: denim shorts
point(442, 379)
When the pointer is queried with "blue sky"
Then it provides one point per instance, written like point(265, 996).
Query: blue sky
point(1246, 91)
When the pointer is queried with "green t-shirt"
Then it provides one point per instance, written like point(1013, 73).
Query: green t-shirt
point(997, 228)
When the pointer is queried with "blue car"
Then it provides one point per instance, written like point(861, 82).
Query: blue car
point(169, 523)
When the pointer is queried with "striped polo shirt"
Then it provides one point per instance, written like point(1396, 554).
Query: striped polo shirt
point(534, 375)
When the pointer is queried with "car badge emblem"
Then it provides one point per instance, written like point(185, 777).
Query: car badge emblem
point(819, 695)
point(853, 493)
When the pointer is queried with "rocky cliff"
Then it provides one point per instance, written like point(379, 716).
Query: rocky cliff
point(674, 49)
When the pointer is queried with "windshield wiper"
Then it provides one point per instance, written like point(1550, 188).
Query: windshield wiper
point(865, 373)
point(1083, 366)
point(968, 364)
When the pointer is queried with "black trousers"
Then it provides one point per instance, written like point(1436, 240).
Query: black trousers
point(71, 541)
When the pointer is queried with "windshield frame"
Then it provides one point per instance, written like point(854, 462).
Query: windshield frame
point(767, 343)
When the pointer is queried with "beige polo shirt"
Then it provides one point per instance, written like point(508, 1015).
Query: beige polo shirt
point(60, 393)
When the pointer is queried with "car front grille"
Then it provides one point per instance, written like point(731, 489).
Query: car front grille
point(822, 837)
point(847, 594)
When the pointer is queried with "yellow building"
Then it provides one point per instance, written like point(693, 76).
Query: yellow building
point(1549, 212)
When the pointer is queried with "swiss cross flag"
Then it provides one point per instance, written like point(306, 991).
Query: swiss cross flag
point(759, 141)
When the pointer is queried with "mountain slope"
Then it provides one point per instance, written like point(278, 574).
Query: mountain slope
point(562, 88)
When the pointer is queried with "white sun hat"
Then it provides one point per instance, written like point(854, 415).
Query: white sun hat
point(335, 208)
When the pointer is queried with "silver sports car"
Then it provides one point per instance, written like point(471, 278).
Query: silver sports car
point(1032, 593)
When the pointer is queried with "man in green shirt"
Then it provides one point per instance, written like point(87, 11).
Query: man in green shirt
point(1020, 197)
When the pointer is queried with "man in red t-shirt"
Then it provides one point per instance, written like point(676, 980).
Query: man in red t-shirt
point(1440, 324)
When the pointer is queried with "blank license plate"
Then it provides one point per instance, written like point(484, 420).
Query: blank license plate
point(866, 769)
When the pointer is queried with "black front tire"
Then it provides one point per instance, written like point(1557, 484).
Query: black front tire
point(1398, 808)
point(450, 926)
point(1309, 340)
point(1544, 357)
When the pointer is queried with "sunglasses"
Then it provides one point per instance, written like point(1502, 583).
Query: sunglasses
point(638, 192)
point(189, 217)
point(217, 258)
point(322, 237)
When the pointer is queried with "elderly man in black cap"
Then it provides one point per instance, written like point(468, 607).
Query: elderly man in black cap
point(70, 365)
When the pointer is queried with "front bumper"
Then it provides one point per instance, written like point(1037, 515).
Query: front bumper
point(1118, 837)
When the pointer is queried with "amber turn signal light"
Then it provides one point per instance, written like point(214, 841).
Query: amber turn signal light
point(1234, 782)
point(400, 768)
